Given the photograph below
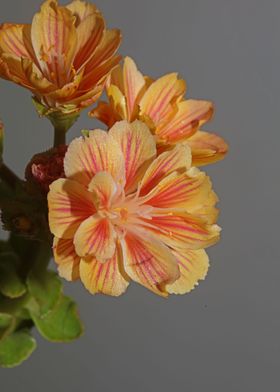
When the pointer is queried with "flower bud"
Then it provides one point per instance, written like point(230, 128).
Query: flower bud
point(46, 167)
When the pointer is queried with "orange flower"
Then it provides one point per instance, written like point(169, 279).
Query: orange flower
point(161, 105)
point(63, 57)
point(122, 213)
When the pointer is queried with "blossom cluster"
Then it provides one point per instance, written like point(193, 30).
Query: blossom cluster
point(128, 202)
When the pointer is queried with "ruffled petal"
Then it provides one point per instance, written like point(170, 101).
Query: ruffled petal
point(160, 95)
point(81, 10)
point(103, 188)
point(177, 159)
point(148, 262)
point(96, 237)
point(193, 265)
point(97, 152)
point(67, 259)
point(11, 40)
point(189, 116)
point(207, 148)
point(70, 204)
point(188, 190)
point(54, 41)
point(133, 84)
point(181, 230)
point(138, 147)
point(104, 278)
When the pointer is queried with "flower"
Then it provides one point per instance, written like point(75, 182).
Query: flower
point(63, 57)
point(161, 105)
point(123, 213)
point(46, 167)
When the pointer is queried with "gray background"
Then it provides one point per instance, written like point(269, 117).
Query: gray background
point(225, 335)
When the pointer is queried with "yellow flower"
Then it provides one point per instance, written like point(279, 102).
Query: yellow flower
point(161, 105)
point(63, 57)
point(124, 214)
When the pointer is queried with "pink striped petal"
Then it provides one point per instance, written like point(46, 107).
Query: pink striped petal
point(96, 153)
point(67, 259)
point(148, 262)
point(104, 278)
point(138, 147)
point(96, 237)
point(69, 205)
point(177, 159)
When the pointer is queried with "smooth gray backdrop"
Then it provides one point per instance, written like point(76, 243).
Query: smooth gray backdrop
point(224, 336)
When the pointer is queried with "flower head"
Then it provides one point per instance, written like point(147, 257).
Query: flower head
point(161, 105)
point(123, 213)
point(63, 57)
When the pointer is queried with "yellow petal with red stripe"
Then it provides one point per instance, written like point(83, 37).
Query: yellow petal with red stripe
point(134, 82)
point(96, 153)
point(207, 148)
point(96, 237)
point(177, 159)
point(117, 101)
point(70, 204)
point(81, 10)
point(104, 278)
point(179, 229)
point(193, 265)
point(188, 190)
point(190, 115)
point(103, 188)
point(67, 259)
point(11, 40)
point(54, 40)
point(163, 92)
point(138, 148)
point(148, 262)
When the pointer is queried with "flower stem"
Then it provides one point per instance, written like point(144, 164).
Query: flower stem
point(8, 176)
point(59, 137)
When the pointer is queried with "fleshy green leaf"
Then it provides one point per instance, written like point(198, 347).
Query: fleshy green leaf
point(45, 287)
point(7, 321)
point(61, 324)
point(11, 285)
point(16, 348)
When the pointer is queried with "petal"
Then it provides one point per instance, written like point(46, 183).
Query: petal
point(181, 230)
point(117, 101)
point(11, 40)
point(103, 188)
point(138, 147)
point(105, 50)
point(160, 94)
point(133, 84)
point(81, 10)
point(70, 204)
point(89, 35)
point(97, 152)
point(177, 159)
point(67, 259)
point(207, 148)
point(54, 41)
point(193, 265)
point(96, 237)
point(105, 278)
point(188, 190)
point(105, 113)
point(190, 115)
point(148, 262)
point(207, 210)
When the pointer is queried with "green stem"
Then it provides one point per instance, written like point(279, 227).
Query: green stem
point(59, 137)
point(8, 176)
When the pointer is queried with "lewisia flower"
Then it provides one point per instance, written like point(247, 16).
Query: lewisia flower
point(124, 214)
point(162, 106)
point(63, 57)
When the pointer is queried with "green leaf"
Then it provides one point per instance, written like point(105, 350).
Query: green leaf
point(45, 287)
point(7, 322)
point(11, 284)
point(16, 348)
point(61, 324)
